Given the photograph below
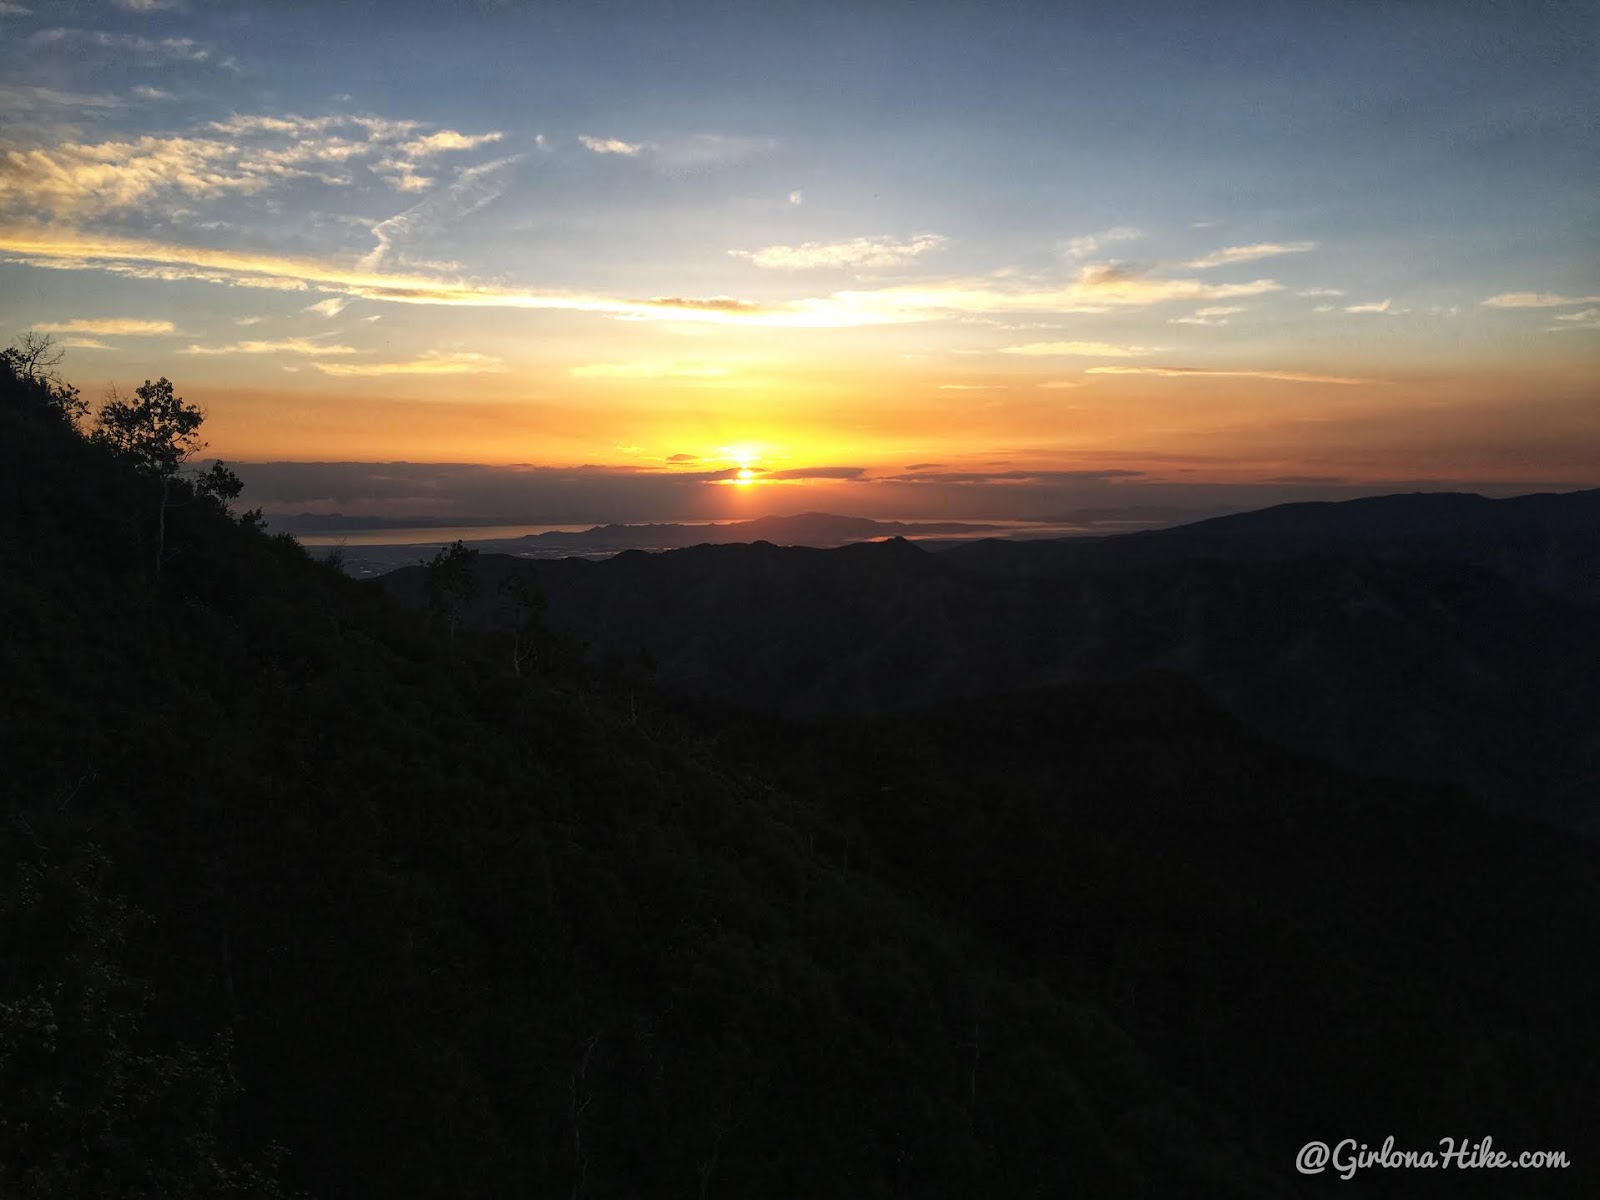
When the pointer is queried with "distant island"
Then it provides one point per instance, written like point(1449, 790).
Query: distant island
point(806, 529)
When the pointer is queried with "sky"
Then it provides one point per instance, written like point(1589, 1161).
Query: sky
point(629, 261)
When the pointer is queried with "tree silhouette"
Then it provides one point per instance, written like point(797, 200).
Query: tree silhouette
point(156, 429)
point(524, 605)
point(158, 432)
point(452, 583)
point(32, 361)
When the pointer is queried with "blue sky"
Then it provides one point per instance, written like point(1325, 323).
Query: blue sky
point(1155, 248)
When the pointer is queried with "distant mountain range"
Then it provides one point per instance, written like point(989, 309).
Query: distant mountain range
point(1427, 635)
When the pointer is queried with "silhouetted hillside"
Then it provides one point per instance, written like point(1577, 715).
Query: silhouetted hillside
point(1431, 668)
point(1549, 542)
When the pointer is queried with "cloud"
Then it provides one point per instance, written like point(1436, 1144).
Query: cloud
point(150, 51)
point(857, 253)
point(1321, 291)
point(475, 188)
point(727, 304)
point(293, 345)
point(683, 458)
point(1589, 318)
point(402, 172)
point(1054, 478)
point(1372, 306)
point(432, 363)
point(80, 343)
point(1062, 383)
point(1098, 289)
point(8, 9)
point(76, 250)
point(248, 320)
point(1215, 314)
point(970, 387)
point(1081, 349)
point(331, 307)
point(612, 145)
point(704, 150)
point(446, 140)
point(16, 98)
point(1092, 243)
point(1207, 372)
point(108, 326)
point(797, 197)
point(146, 6)
point(649, 371)
point(1242, 254)
point(1536, 300)
point(816, 473)
point(254, 153)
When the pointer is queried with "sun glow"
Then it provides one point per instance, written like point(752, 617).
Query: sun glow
point(744, 457)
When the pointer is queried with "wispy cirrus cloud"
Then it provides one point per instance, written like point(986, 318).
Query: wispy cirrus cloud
point(683, 154)
point(1010, 476)
point(1536, 300)
point(1371, 306)
point(20, 99)
point(1215, 372)
point(651, 370)
point(243, 155)
point(1097, 289)
point(854, 253)
point(150, 51)
point(1215, 314)
point(108, 327)
point(293, 345)
point(475, 188)
point(1092, 243)
point(330, 307)
point(1229, 255)
point(147, 6)
point(1080, 350)
point(1589, 318)
point(432, 363)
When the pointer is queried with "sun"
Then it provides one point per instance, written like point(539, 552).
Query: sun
point(744, 456)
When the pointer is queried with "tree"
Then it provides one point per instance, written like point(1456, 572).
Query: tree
point(158, 432)
point(31, 363)
point(156, 429)
point(220, 483)
point(452, 583)
point(524, 604)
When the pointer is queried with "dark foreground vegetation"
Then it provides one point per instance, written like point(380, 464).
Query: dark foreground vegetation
point(302, 892)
